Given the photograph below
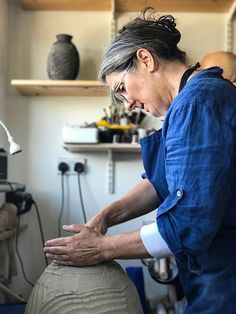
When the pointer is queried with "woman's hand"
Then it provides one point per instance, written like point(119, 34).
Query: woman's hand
point(88, 247)
point(98, 223)
point(83, 248)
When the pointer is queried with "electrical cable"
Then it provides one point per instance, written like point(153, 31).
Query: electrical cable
point(16, 243)
point(41, 229)
point(18, 253)
point(62, 204)
point(81, 198)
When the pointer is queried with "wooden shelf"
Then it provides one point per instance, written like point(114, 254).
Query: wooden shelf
point(59, 88)
point(103, 147)
point(130, 5)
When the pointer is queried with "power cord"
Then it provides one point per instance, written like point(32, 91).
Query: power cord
point(17, 237)
point(63, 168)
point(41, 229)
point(18, 253)
point(79, 168)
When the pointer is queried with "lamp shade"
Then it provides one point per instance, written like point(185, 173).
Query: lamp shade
point(14, 147)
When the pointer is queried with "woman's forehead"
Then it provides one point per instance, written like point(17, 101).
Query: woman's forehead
point(113, 77)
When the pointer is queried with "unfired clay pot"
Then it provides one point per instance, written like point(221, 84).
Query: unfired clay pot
point(100, 289)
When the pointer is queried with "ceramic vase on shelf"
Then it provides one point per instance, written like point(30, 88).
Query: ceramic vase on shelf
point(63, 59)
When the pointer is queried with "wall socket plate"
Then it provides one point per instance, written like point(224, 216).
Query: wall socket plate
point(70, 161)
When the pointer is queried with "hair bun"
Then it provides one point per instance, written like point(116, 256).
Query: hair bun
point(168, 22)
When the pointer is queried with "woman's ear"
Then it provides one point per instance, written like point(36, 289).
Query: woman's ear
point(145, 58)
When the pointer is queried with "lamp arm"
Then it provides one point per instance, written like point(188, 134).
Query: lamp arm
point(5, 128)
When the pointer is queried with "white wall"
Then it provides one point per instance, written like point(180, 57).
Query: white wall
point(3, 64)
point(36, 122)
point(3, 76)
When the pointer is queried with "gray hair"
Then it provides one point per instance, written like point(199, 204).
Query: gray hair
point(158, 35)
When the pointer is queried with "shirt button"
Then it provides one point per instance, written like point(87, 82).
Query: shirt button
point(179, 193)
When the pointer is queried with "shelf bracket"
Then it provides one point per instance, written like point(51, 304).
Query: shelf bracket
point(229, 27)
point(110, 173)
point(113, 18)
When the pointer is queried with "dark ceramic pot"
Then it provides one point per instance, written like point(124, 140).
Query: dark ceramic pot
point(63, 59)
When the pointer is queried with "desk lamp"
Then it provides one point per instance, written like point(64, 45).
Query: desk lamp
point(14, 147)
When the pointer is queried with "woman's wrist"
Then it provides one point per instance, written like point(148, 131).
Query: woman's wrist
point(123, 246)
point(111, 215)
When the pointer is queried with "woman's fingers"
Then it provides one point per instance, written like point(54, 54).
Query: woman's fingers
point(65, 263)
point(55, 258)
point(73, 228)
point(57, 242)
point(55, 250)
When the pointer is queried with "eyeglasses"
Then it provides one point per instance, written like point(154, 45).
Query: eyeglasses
point(116, 94)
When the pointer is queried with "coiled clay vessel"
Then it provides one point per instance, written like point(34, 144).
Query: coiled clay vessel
point(100, 289)
point(63, 59)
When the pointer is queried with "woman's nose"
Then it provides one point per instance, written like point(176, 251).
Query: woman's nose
point(132, 104)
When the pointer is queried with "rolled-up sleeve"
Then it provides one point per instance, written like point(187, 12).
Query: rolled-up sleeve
point(153, 241)
point(200, 172)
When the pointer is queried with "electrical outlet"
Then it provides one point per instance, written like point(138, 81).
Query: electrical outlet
point(63, 159)
point(81, 160)
point(71, 163)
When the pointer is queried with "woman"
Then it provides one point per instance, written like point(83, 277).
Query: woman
point(190, 168)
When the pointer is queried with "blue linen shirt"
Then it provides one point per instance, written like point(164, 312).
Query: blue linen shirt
point(197, 217)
